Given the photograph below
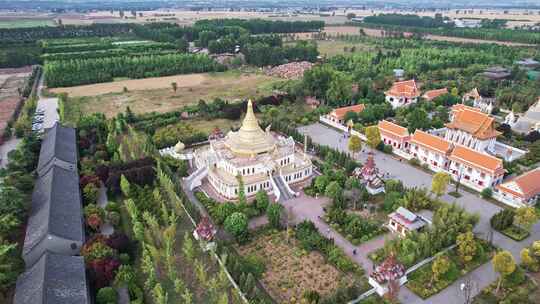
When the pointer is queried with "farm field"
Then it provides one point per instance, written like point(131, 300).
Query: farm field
point(156, 94)
point(332, 48)
point(10, 84)
point(15, 23)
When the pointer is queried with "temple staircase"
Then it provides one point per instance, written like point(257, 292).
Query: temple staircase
point(194, 180)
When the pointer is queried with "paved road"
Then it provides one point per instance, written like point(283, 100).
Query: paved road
point(7, 147)
point(49, 105)
point(414, 177)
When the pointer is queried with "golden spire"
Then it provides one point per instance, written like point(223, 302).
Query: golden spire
point(250, 139)
point(250, 123)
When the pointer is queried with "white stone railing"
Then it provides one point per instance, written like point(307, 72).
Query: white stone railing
point(341, 127)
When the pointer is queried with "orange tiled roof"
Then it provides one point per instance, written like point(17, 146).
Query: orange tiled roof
point(430, 95)
point(406, 88)
point(340, 112)
point(473, 121)
point(393, 128)
point(528, 183)
point(476, 159)
point(431, 141)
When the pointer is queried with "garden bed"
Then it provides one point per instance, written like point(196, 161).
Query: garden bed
point(516, 233)
point(421, 283)
point(290, 271)
point(516, 288)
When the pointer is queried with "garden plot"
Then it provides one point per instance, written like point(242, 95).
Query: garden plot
point(290, 271)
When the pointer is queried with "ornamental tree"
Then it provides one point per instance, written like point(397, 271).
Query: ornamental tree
point(504, 264)
point(440, 267)
point(373, 136)
point(525, 217)
point(237, 225)
point(262, 200)
point(273, 212)
point(355, 144)
point(440, 183)
point(467, 247)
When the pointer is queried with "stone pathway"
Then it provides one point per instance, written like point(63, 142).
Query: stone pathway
point(257, 222)
point(106, 229)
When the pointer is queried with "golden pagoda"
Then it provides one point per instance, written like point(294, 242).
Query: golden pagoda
point(260, 158)
point(250, 140)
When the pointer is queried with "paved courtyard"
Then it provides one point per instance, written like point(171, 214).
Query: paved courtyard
point(414, 177)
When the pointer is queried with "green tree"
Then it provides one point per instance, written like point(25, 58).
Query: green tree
point(262, 200)
point(273, 212)
point(241, 190)
point(504, 264)
point(440, 183)
point(355, 144)
point(417, 119)
point(321, 182)
point(339, 91)
point(486, 193)
point(188, 248)
point(333, 191)
point(124, 186)
point(11, 265)
point(528, 260)
point(525, 217)
point(237, 225)
point(373, 136)
point(439, 268)
point(467, 246)
point(106, 295)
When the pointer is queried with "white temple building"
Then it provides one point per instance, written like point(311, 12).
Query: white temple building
point(471, 128)
point(255, 157)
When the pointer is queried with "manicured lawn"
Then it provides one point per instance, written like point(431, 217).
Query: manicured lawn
point(516, 233)
point(421, 283)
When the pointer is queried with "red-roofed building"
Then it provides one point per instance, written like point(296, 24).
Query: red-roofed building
point(394, 135)
point(470, 127)
point(402, 93)
point(431, 150)
point(430, 95)
point(475, 169)
point(338, 115)
point(523, 190)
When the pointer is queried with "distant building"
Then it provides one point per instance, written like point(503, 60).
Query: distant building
point(485, 104)
point(467, 23)
point(53, 279)
point(338, 115)
point(523, 190)
point(402, 93)
point(496, 73)
point(471, 128)
point(528, 63)
point(430, 95)
point(528, 122)
point(403, 221)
